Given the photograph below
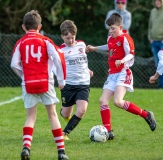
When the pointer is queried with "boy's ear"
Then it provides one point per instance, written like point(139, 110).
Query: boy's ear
point(39, 27)
point(121, 27)
point(24, 28)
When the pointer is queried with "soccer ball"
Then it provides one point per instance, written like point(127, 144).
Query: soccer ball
point(98, 133)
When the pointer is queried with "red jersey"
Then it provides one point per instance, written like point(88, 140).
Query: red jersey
point(35, 61)
point(119, 47)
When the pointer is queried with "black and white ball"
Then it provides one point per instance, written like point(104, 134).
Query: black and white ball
point(98, 133)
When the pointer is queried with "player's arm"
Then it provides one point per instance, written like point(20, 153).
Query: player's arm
point(129, 53)
point(159, 70)
point(57, 63)
point(16, 62)
point(97, 48)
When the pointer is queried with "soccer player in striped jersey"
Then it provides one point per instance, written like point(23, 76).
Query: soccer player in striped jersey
point(76, 90)
point(120, 49)
point(33, 59)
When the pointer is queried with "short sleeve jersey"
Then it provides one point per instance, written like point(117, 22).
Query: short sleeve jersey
point(119, 47)
point(77, 72)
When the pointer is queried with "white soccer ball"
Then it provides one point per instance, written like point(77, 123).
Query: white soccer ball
point(98, 134)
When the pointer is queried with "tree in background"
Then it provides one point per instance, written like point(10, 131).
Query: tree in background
point(89, 17)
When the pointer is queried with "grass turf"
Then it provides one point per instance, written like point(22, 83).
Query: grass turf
point(133, 138)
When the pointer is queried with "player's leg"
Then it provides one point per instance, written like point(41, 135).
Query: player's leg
point(49, 99)
point(66, 112)
point(81, 100)
point(105, 111)
point(30, 102)
point(56, 131)
point(28, 132)
point(81, 107)
point(120, 91)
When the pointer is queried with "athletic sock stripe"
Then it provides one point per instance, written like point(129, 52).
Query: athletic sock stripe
point(27, 136)
point(26, 142)
point(58, 138)
point(60, 144)
point(126, 105)
point(105, 107)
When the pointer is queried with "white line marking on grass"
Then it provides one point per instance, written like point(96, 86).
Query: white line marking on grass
point(11, 100)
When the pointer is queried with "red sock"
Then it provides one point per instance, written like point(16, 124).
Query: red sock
point(132, 108)
point(27, 136)
point(58, 137)
point(106, 116)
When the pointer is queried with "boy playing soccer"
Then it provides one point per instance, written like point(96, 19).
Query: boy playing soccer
point(34, 57)
point(76, 90)
point(120, 49)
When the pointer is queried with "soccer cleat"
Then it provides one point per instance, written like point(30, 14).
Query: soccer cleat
point(110, 135)
point(62, 155)
point(67, 119)
point(65, 136)
point(25, 155)
point(151, 120)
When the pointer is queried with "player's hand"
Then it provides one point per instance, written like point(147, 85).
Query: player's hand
point(91, 73)
point(90, 48)
point(118, 62)
point(152, 79)
point(60, 87)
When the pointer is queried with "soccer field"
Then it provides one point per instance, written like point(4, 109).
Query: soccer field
point(133, 138)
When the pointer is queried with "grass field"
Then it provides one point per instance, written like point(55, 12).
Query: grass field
point(133, 138)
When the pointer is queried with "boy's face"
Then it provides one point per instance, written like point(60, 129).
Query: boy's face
point(69, 39)
point(115, 30)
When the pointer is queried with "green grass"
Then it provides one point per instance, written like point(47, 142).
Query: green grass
point(133, 138)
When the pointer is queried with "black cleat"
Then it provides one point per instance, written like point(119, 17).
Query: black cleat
point(151, 120)
point(25, 155)
point(62, 155)
point(110, 135)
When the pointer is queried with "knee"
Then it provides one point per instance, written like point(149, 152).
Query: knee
point(117, 103)
point(102, 101)
point(80, 113)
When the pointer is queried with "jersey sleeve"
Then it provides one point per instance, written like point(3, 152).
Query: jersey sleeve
point(16, 60)
point(128, 45)
point(59, 62)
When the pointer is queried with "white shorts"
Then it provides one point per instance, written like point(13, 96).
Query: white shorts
point(47, 98)
point(119, 79)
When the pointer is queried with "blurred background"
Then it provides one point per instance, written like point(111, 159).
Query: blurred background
point(89, 17)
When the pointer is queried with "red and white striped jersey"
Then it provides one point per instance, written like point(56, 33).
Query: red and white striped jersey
point(33, 59)
point(118, 48)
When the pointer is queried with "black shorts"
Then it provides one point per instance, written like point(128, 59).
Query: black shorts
point(71, 93)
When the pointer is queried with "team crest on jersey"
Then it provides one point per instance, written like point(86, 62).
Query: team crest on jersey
point(80, 50)
point(118, 43)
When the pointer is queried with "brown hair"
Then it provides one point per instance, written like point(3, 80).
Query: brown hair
point(32, 20)
point(114, 19)
point(68, 26)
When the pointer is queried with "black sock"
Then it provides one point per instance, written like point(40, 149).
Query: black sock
point(72, 124)
point(61, 151)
